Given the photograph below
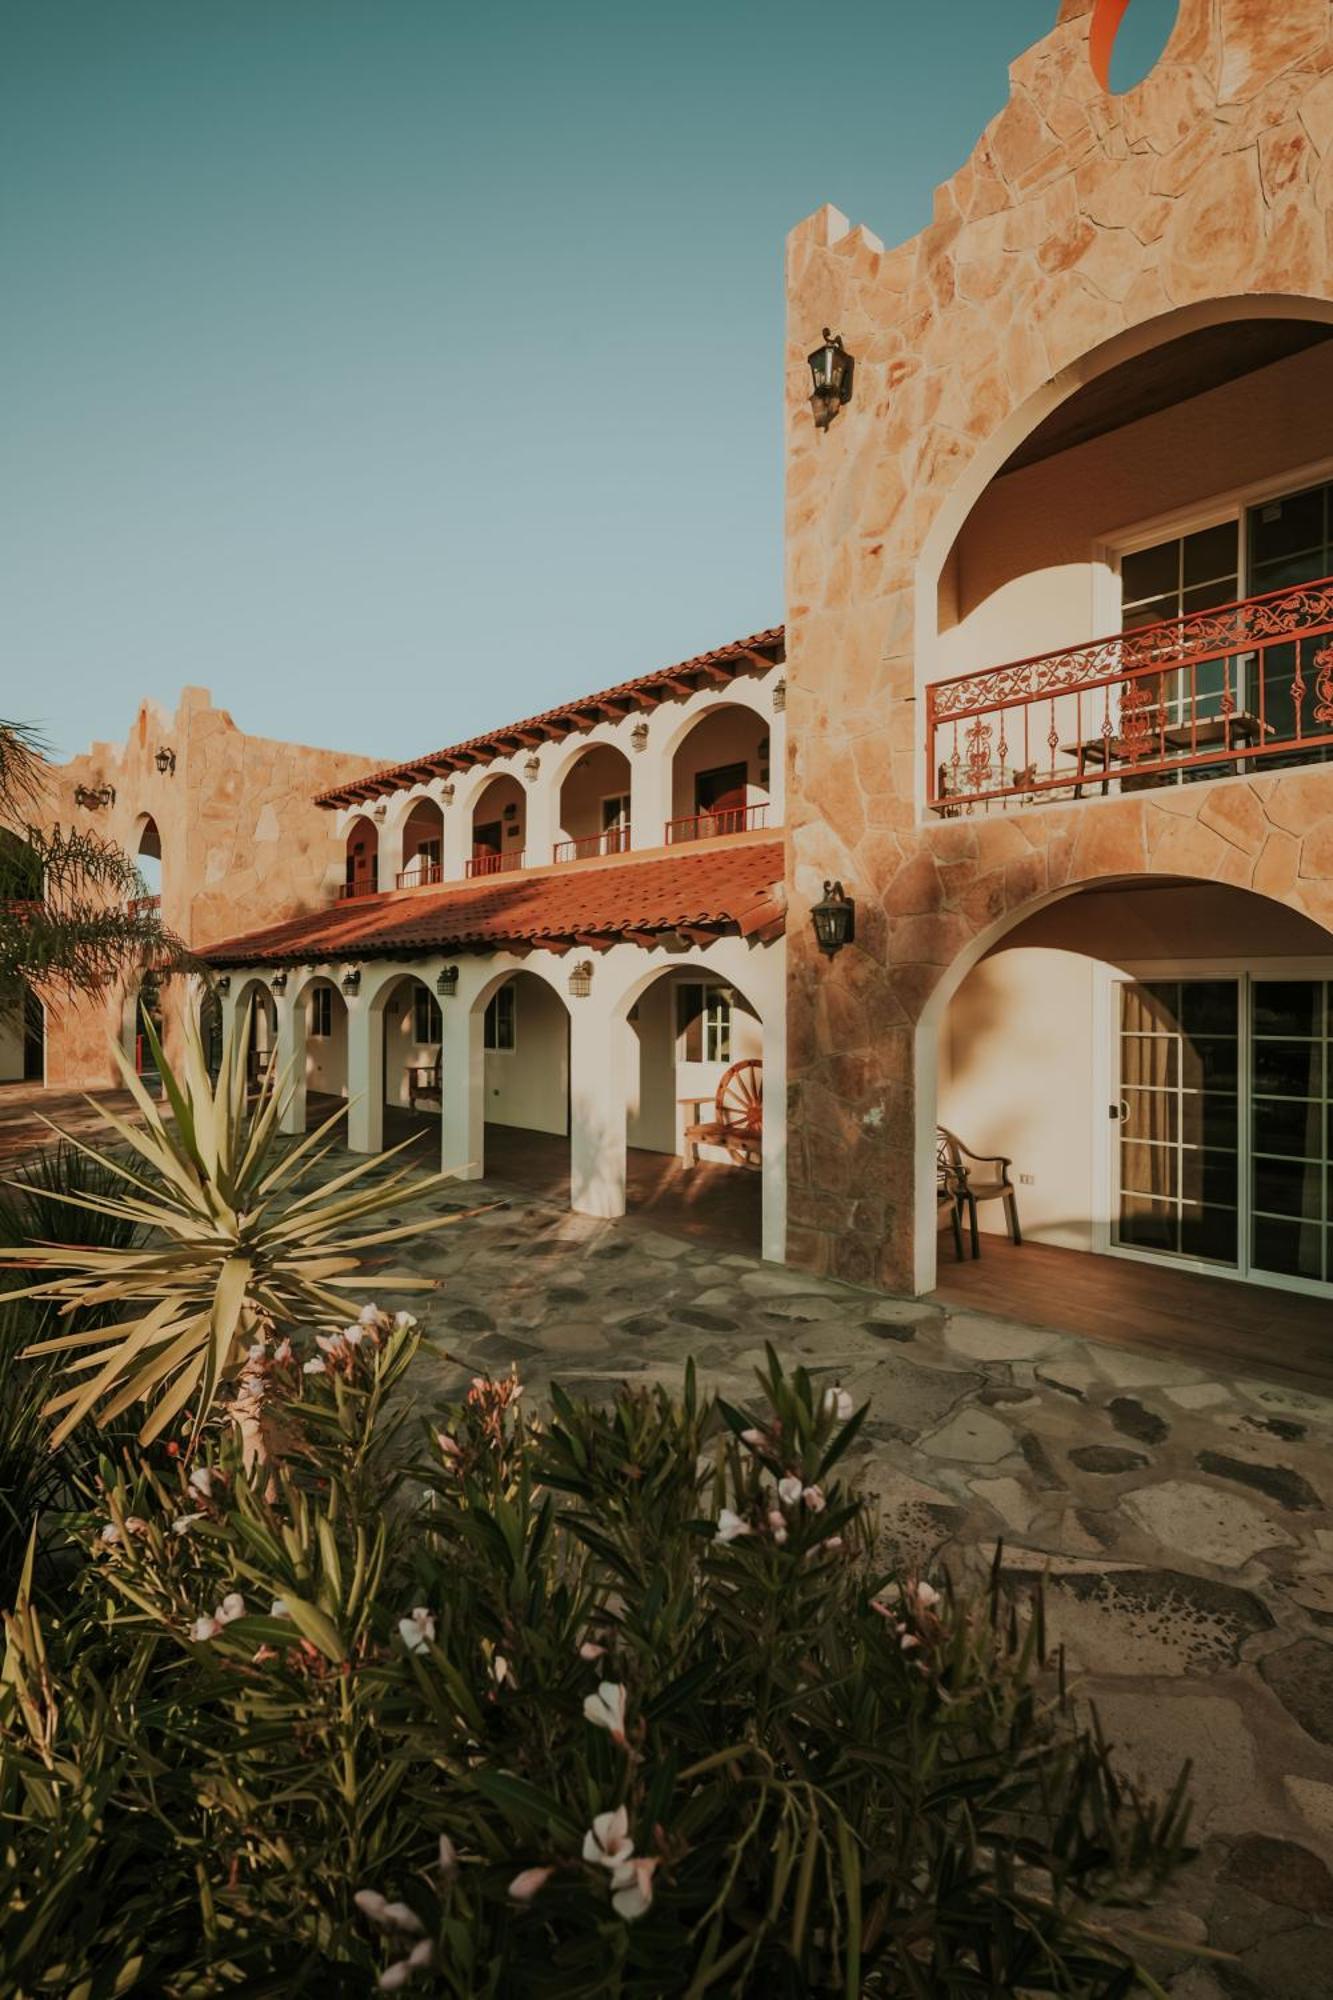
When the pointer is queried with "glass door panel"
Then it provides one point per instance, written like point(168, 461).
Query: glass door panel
point(1179, 1150)
point(1289, 1119)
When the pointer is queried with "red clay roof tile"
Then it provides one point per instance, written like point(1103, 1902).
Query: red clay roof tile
point(735, 885)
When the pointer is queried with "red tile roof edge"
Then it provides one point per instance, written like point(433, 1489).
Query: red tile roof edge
point(562, 720)
point(732, 887)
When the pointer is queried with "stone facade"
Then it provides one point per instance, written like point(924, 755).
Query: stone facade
point(240, 837)
point(1085, 230)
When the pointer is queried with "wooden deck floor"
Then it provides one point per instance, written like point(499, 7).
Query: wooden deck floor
point(1283, 1336)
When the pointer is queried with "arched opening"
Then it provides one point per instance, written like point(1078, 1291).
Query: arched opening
point(1085, 639)
point(23, 1040)
point(257, 1001)
point(694, 1107)
point(1128, 39)
point(144, 1008)
point(361, 873)
point(210, 1031)
point(413, 1031)
point(1150, 1057)
point(524, 1032)
point(720, 775)
point(499, 827)
point(595, 805)
point(423, 846)
point(324, 1015)
point(148, 860)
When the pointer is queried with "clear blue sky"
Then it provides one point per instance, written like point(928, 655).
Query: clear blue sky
point(399, 367)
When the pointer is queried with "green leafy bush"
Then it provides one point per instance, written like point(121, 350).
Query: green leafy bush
point(614, 1703)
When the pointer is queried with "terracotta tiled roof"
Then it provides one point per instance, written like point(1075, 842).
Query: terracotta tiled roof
point(761, 649)
point(734, 885)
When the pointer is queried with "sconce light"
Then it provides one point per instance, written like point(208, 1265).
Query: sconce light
point(532, 767)
point(779, 695)
point(91, 797)
point(834, 919)
point(379, 813)
point(447, 983)
point(580, 979)
point(224, 982)
point(279, 982)
point(638, 736)
point(831, 366)
point(447, 792)
point(166, 761)
point(352, 979)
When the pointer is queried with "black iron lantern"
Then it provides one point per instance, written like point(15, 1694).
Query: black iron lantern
point(352, 979)
point(165, 760)
point(831, 367)
point(834, 919)
point(279, 982)
point(447, 983)
point(224, 983)
point(580, 979)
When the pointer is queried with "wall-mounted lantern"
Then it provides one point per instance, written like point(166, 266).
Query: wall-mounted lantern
point(532, 767)
point(93, 797)
point(380, 813)
point(580, 979)
point(165, 760)
point(279, 982)
point(779, 695)
point(447, 792)
point(638, 736)
point(834, 919)
point(352, 979)
point(447, 983)
point(832, 367)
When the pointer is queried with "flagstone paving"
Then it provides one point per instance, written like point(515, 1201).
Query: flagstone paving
point(1182, 1518)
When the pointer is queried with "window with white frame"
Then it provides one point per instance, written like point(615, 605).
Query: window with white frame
point(703, 1023)
point(500, 1032)
point(321, 1012)
point(427, 1020)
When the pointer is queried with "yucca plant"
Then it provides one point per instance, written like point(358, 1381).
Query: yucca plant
point(241, 1240)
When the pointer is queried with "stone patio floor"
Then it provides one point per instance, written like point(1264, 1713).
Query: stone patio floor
point(1180, 1514)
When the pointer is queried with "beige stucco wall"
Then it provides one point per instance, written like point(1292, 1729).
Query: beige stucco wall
point(1084, 229)
point(326, 1055)
point(528, 1085)
point(241, 843)
point(727, 735)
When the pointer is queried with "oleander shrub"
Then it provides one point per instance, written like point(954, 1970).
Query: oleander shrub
point(615, 1701)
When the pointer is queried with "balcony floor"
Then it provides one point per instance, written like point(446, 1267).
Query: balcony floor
point(1247, 1329)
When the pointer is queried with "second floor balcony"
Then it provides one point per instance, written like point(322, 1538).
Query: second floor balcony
point(1244, 686)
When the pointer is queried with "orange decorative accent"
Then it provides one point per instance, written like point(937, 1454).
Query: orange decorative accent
point(1106, 18)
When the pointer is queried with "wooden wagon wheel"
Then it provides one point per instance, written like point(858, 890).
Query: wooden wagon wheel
point(740, 1110)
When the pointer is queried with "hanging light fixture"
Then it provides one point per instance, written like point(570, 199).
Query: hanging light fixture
point(352, 979)
point(279, 982)
point(532, 767)
point(834, 919)
point(580, 979)
point(447, 792)
point(831, 367)
point(224, 982)
point(638, 736)
point(447, 983)
point(165, 760)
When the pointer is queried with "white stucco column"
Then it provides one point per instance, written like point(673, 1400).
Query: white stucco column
point(777, 771)
point(597, 1100)
point(462, 1089)
point(543, 815)
point(391, 848)
point(649, 790)
point(456, 842)
point(291, 1061)
point(365, 1075)
point(774, 1163)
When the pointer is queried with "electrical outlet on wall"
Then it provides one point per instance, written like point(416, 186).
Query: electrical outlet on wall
point(1027, 1180)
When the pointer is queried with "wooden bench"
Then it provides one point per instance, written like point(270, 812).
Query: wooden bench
point(737, 1123)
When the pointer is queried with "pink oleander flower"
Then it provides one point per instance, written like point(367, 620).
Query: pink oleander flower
point(607, 1841)
point(789, 1490)
point(527, 1882)
point(730, 1526)
point(501, 1671)
point(814, 1499)
point(315, 1367)
point(278, 1608)
point(590, 1650)
point(110, 1535)
point(333, 1344)
point(777, 1522)
point(370, 1315)
point(395, 1977)
point(755, 1439)
point(283, 1350)
point(200, 1481)
point(632, 1886)
point(448, 1445)
point(389, 1916)
point(606, 1709)
point(417, 1630)
point(184, 1522)
point(232, 1606)
point(448, 1860)
point(838, 1403)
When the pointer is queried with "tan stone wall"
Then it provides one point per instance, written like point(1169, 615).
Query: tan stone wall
point(1084, 228)
point(242, 844)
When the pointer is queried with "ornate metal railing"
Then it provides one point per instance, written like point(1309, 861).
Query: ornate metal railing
point(614, 840)
point(1213, 692)
point(419, 873)
point(494, 864)
point(365, 885)
point(722, 819)
point(143, 906)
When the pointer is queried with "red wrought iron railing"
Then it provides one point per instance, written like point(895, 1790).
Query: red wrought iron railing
point(494, 864)
point(614, 840)
point(143, 906)
point(419, 873)
point(722, 819)
point(349, 891)
point(1213, 692)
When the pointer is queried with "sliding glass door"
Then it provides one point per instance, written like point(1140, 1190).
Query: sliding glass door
point(1223, 1125)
